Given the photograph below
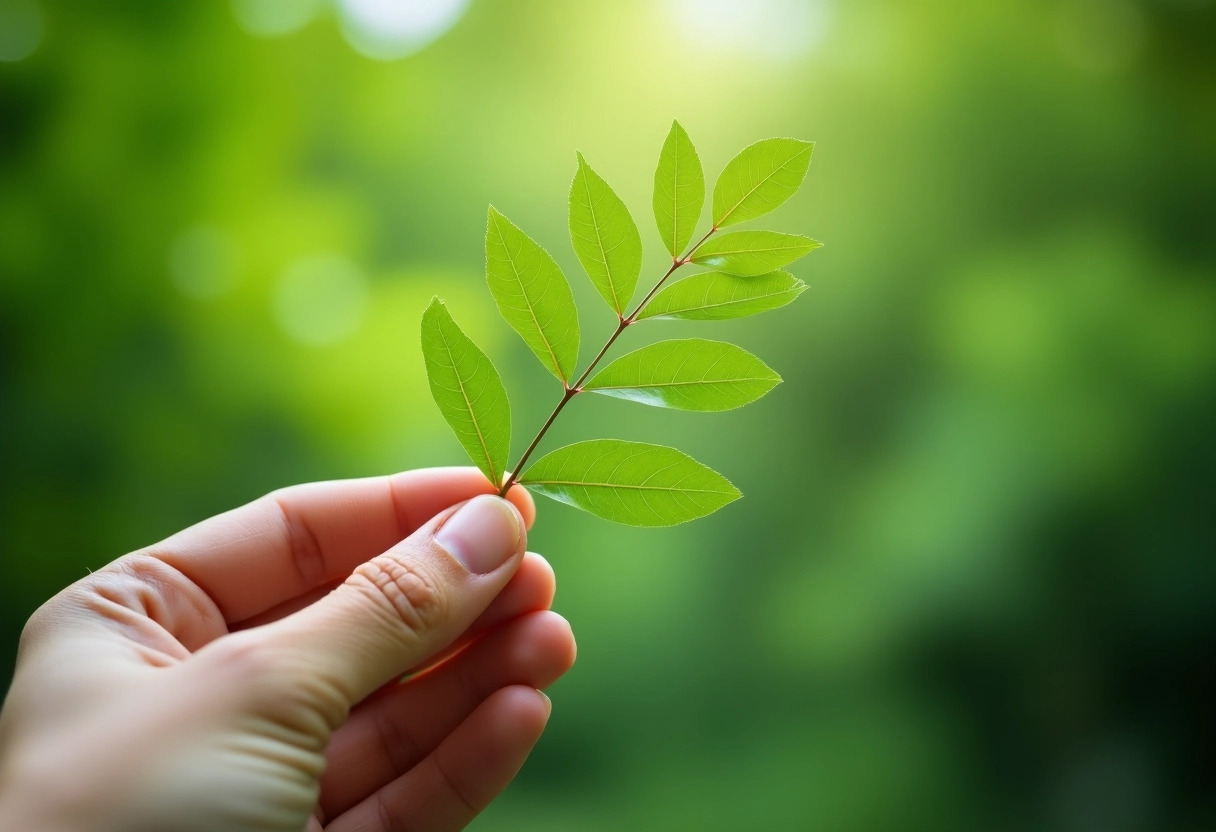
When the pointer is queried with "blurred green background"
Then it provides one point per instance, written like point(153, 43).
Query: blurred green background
point(972, 583)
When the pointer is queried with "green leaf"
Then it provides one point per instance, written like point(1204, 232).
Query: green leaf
point(759, 179)
point(532, 294)
point(689, 374)
point(630, 482)
point(604, 237)
point(468, 391)
point(714, 296)
point(679, 190)
point(751, 253)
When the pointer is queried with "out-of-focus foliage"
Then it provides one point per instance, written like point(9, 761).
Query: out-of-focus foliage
point(972, 584)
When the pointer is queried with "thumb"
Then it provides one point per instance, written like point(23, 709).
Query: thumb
point(399, 608)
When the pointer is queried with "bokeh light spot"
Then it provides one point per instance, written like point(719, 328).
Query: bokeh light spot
point(389, 29)
point(203, 262)
point(775, 29)
point(21, 29)
point(321, 299)
point(271, 18)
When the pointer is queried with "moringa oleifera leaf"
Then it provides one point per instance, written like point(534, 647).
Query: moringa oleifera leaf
point(759, 179)
point(468, 391)
point(629, 482)
point(679, 190)
point(753, 253)
point(715, 296)
point(604, 237)
point(687, 374)
point(532, 294)
point(634, 483)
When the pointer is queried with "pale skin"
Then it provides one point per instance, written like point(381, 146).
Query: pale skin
point(245, 674)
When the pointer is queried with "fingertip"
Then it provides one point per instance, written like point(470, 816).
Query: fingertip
point(538, 648)
point(557, 638)
point(528, 709)
point(542, 576)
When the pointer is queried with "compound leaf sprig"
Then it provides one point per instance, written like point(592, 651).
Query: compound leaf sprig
point(635, 483)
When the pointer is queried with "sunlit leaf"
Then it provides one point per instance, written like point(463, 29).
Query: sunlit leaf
point(714, 296)
point(759, 179)
point(687, 374)
point(468, 391)
point(750, 253)
point(630, 482)
point(532, 294)
point(679, 190)
point(604, 237)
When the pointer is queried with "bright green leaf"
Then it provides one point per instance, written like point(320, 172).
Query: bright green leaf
point(689, 374)
point(604, 237)
point(714, 296)
point(532, 294)
point(468, 391)
point(759, 179)
point(679, 190)
point(751, 253)
point(630, 482)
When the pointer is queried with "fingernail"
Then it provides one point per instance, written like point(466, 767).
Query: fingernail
point(482, 534)
point(548, 702)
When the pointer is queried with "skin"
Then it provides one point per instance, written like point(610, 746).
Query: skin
point(244, 674)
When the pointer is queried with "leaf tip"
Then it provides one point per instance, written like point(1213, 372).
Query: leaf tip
point(731, 493)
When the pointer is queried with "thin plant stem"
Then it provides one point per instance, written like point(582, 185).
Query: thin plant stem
point(572, 390)
point(633, 316)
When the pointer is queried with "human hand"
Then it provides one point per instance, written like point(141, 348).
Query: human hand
point(243, 674)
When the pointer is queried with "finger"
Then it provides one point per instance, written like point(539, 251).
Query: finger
point(393, 612)
point(468, 770)
point(392, 732)
point(531, 588)
point(534, 593)
point(291, 541)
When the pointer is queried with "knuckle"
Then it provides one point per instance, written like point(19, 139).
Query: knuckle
point(404, 590)
point(307, 556)
point(39, 625)
point(134, 583)
point(140, 569)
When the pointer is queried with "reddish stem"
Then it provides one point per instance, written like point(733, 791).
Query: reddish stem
point(573, 390)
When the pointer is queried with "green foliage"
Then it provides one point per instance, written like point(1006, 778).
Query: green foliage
point(679, 190)
point(604, 237)
point(715, 296)
point(753, 253)
point(532, 294)
point(759, 179)
point(468, 390)
point(629, 482)
point(690, 374)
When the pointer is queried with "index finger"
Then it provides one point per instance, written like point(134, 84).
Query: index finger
point(293, 540)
